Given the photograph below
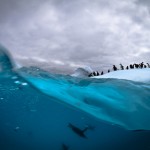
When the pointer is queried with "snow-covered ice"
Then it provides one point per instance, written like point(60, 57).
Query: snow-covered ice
point(140, 75)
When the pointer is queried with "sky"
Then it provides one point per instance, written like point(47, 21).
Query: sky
point(62, 35)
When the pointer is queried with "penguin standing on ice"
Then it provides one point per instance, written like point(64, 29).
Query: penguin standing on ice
point(131, 66)
point(114, 68)
point(141, 65)
point(97, 73)
point(122, 67)
point(94, 73)
point(91, 75)
point(136, 65)
point(148, 65)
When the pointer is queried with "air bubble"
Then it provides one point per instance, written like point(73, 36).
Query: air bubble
point(17, 82)
point(14, 77)
point(24, 83)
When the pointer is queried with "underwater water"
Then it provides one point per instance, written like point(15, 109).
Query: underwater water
point(36, 108)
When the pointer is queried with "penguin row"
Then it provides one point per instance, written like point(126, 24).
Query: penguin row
point(131, 66)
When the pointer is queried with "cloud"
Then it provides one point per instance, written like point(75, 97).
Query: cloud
point(68, 34)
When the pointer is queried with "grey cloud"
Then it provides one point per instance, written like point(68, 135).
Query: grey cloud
point(97, 33)
point(144, 2)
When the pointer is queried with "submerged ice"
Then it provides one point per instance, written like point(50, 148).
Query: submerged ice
point(122, 102)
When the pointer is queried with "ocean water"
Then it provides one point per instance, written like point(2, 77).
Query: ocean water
point(36, 108)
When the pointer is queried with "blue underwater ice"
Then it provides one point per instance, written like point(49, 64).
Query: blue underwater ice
point(36, 108)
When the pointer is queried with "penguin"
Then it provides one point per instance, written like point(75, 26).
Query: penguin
point(65, 147)
point(148, 65)
point(115, 68)
point(90, 75)
point(97, 73)
point(94, 73)
point(141, 65)
point(102, 73)
point(136, 65)
point(79, 131)
point(131, 66)
point(122, 67)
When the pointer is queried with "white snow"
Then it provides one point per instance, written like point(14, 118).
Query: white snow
point(141, 75)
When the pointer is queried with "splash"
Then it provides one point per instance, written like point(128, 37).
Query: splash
point(122, 102)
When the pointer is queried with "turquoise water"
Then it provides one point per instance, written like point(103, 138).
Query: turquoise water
point(36, 108)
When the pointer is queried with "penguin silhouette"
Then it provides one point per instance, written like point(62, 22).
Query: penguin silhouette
point(97, 73)
point(94, 73)
point(65, 147)
point(79, 131)
point(114, 68)
point(148, 65)
point(122, 67)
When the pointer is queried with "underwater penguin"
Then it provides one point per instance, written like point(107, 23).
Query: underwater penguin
point(65, 147)
point(78, 131)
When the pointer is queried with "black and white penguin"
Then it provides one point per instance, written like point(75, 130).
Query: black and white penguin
point(115, 68)
point(122, 67)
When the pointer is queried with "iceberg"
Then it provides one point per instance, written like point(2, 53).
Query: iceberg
point(82, 72)
point(116, 98)
point(139, 75)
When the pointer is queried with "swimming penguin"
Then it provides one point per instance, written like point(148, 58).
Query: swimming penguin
point(65, 147)
point(78, 131)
